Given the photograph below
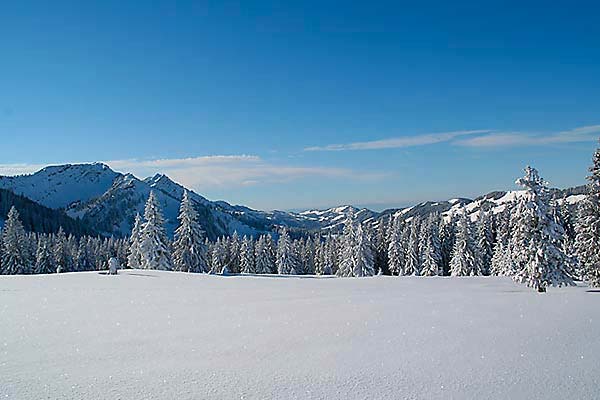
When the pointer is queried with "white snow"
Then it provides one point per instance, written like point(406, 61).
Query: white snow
point(166, 335)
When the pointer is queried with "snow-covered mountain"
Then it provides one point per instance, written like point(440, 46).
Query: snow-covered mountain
point(107, 201)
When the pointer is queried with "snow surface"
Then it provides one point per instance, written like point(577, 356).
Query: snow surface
point(165, 335)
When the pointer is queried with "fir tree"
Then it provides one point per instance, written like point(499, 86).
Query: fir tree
point(15, 257)
point(247, 261)
point(412, 263)
point(587, 240)
point(286, 261)
point(134, 257)
point(395, 248)
point(538, 251)
point(431, 254)
point(464, 260)
point(189, 252)
point(484, 241)
point(44, 262)
point(154, 244)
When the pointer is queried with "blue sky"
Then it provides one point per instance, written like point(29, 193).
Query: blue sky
point(304, 104)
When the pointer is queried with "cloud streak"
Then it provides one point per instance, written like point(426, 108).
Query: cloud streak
point(514, 139)
point(398, 142)
point(217, 171)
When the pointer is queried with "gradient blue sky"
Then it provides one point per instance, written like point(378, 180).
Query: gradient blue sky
point(304, 104)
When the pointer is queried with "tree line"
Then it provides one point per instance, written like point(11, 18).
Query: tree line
point(536, 239)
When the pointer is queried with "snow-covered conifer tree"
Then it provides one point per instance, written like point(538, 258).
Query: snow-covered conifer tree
point(346, 250)
point(431, 254)
point(395, 248)
point(154, 244)
point(363, 264)
point(412, 261)
point(587, 240)
point(219, 257)
point(44, 261)
point(247, 261)
point(189, 252)
point(15, 257)
point(264, 263)
point(233, 253)
point(538, 252)
point(134, 257)
point(464, 260)
point(484, 241)
point(286, 261)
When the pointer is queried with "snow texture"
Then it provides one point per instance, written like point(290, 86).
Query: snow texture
point(170, 335)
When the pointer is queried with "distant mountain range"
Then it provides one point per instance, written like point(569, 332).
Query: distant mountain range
point(107, 202)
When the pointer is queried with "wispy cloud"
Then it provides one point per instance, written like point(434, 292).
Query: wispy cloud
point(216, 170)
point(506, 139)
point(398, 142)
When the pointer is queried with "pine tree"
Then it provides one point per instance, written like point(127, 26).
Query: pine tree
point(346, 251)
point(363, 264)
point(44, 261)
point(154, 244)
point(264, 262)
point(134, 258)
point(502, 263)
point(382, 244)
point(189, 252)
point(395, 248)
point(233, 253)
point(219, 258)
point(286, 261)
point(464, 254)
point(247, 261)
point(484, 242)
point(587, 240)
point(15, 257)
point(412, 263)
point(447, 237)
point(538, 251)
point(432, 252)
point(62, 257)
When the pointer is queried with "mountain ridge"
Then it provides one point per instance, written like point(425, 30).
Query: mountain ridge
point(108, 201)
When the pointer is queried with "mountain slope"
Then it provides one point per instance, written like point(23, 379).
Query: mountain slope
point(38, 218)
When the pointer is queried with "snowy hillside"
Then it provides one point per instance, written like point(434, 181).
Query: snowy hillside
point(61, 185)
point(161, 335)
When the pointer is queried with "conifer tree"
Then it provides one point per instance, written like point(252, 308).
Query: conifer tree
point(484, 241)
point(431, 254)
point(412, 261)
point(587, 240)
point(286, 261)
point(134, 257)
point(247, 261)
point(189, 252)
point(15, 257)
point(464, 260)
point(154, 244)
point(395, 248)
point(44, 262)
point(538, 251)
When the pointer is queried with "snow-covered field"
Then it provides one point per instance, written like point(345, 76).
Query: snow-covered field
point(161, 335)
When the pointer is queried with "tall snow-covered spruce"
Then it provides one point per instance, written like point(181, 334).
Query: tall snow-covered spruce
point(15, 255)
point(538, 251)
point(286, 261)
point(465, 260)
point(189, 251)
point(154, 244)
point(134, 257)
point(587, 240)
